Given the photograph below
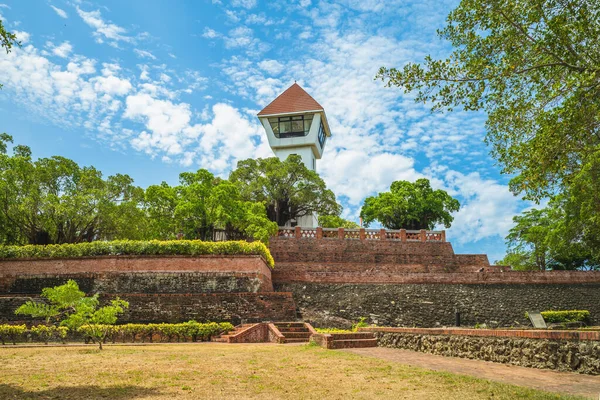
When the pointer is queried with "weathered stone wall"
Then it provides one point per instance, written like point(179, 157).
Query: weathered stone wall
point(159, 289)
point(15, 274)
point(430, 305)
point(562, 355)
point(140, 282)
point(173, 308)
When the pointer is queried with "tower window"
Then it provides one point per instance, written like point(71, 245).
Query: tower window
point(293, 126)
point(322, 135)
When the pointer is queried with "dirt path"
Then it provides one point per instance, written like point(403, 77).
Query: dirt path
point(551, 381)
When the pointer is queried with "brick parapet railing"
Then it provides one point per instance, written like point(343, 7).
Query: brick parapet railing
point(401, 235)
point(508, 333)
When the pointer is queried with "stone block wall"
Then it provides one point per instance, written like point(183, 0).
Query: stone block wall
point(573, 354)
point(159, 289)
point(172, 308)
point(432, 304)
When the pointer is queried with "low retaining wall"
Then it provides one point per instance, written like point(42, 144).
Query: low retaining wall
point(173, 308)
point(431, 305)
point(558, 350)
point(14, 274)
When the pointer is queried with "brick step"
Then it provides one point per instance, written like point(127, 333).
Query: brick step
point(354, 343)
point(219, 340)
point(289, 324)
point(355, 335)
point(296, 340)
point(293, 330)
point(296, 335)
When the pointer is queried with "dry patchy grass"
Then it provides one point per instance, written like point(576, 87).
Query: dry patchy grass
point(219, 371)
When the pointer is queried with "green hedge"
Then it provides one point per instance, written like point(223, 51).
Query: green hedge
point(183, 332)
point(187, 331)
point(133, 247)
point(566, 316)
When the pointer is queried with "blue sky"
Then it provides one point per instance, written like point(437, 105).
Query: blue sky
point(155, 88)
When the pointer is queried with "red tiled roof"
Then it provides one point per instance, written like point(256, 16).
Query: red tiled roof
point(294, 99)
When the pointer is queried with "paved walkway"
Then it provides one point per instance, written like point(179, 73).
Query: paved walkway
point(541, 379)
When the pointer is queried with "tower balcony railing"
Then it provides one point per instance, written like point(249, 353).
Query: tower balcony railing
point(400, 235)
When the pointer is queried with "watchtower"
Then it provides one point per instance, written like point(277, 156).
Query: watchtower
point(296, 124)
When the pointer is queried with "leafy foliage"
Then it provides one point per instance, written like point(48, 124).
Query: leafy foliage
point(410, 206)
point(11, 333)
point(132, 247)
point(566, 316)
point(560, 236)
point(53, 200)
point(187, 331)
point(202, 203)
point(288, 189)
point(334, 221)
point(532, 66)
point(70, 306)
point(7, 40)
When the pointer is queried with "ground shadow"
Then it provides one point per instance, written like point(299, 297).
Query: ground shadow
point(77, 392)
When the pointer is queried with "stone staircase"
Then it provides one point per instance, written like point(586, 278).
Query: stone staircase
point(226, 337)
point(295, 332)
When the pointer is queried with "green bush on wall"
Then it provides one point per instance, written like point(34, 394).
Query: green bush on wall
point(566, 316)
point(137, 247)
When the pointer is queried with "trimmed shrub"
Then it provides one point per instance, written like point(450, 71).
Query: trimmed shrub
point(566, 316)
point(45, 333)
point(187, 331)
point(136, 247)
point(11, 333)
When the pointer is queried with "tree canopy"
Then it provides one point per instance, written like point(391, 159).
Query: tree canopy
point(410, 206)
point(533, 67)
point(335, 221)
point(54, 200)
point(7, 40)
point(288, 189)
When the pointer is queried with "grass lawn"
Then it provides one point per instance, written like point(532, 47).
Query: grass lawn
point(229, 371)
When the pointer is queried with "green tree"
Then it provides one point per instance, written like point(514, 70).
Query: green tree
point(54, 200)
point(7, 40)
point(287, 188)
point(201, 204)
point(70, 307)
point(530, 236)
point(335, 221)
point(556, 237)
point(410, 206)
point(533, 67)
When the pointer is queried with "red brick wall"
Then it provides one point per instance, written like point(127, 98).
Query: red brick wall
point(109, 267)
point(376, 261)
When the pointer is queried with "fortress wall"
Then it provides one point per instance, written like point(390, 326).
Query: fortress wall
point(139, 274)
point(406, 256)
point(432, 305)
point(173, 308)
point(159, 288)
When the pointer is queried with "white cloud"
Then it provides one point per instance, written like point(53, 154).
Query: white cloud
point(244, 3)
point(144, 54)
point(63, 50)
point(210, 33)
point(272, 67)
point(112, 85)
point(104, 30)
point(487, 207)
point(61, 13)
point(22, 37)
